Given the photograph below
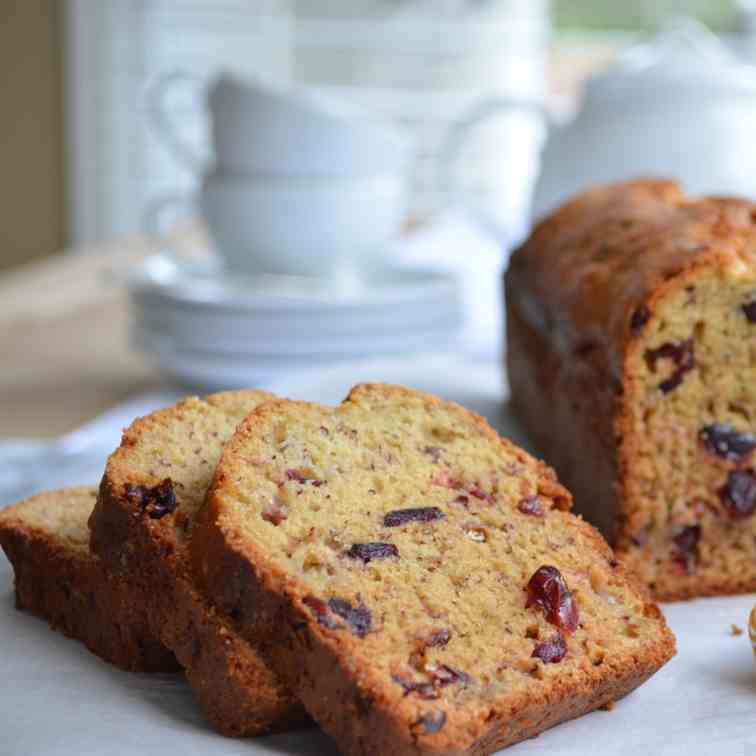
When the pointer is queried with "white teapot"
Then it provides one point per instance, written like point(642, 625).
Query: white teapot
point(681, 107)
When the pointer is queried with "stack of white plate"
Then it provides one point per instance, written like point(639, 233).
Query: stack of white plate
point(214, 330)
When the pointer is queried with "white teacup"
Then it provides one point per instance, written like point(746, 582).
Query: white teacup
point(260, 128)
point(311, 227)
point(302, 226)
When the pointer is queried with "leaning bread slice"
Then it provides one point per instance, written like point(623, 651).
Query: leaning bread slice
point(57, 578)
point(423, 588)
point(153, 485)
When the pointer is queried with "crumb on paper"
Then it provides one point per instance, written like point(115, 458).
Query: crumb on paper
point(608, 706)
point(735, 631)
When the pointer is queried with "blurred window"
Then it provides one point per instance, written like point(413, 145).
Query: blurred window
point(641, 14)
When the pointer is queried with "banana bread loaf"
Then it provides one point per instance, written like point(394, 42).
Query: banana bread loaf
point(631, 351)
point(417, 580)
point(153, 485)
point(57, 578)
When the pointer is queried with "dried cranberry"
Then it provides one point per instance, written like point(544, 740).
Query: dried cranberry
point(750, 311)
point(462, 499)
point(476, 491)
point(157, 501)
point(273, 513)
point(687, 544)
point(531, 505)
point(299, 477)
point(417, 514)
point(320, 609)
point(274, 516)
point(551, 652)
point(429, 723)
point(681, 355)
point(738, 494)
point(318, 606)
point(444, 675)
point(438, 637)
point(548, 590)
point(358, 618)
point(375, 550)
point(640, 317)
point(446, 480)
point(425, 690)
point(726, 442)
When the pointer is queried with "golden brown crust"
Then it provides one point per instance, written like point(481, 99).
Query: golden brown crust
point(70, 588)
point(328, 671)
point(238, 692)
point(578, 293)
point(566, 282)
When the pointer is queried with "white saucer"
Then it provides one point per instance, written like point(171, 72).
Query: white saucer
point(283, 331)
point(214, 371)
point(205, 284)
point(244, 337)
point(212, 329)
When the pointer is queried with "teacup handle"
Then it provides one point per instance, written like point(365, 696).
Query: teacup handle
point(460, 132)
point(164, 124)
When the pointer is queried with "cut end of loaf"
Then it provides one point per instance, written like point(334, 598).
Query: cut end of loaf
point(689, 438)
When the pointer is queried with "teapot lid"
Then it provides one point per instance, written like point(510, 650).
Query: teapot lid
point(684, 60)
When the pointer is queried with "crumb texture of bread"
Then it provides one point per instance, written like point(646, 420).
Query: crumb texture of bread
point(57, 578)
point(154, 485)
point(631, 353)
point(427, 589)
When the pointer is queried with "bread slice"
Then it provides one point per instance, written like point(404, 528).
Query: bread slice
point(153, 485)
point(57, 578)
point(417, 580)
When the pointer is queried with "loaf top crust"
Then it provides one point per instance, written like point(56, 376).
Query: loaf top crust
point(402, 531)
point(606, 256)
